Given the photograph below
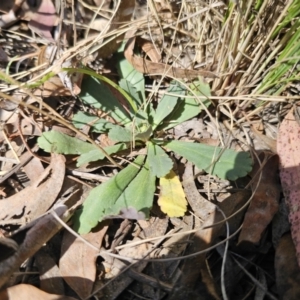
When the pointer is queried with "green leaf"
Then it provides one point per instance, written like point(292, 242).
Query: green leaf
point(100, 125)
point(225, 163)
point(159, 162)
point(103, 79)
point(166, 105)
point(150, 113)
point(54, 141)
point(120, 134)
point(139, 193)
point(128, 87)
point(96, 154)
point(98, 95)
point(141, 119)
point(201, 89)
point(145, 135)
point(135, 78)
point(103, 198)
point(188, 107)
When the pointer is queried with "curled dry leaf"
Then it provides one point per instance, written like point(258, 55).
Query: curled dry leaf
point(152, 68)
point(265, 140)
point(55, 87)
point(265, 201)
point(201, 206)
point(288, 147)
point(149, 49)
point(36, 199)
point(29, 292)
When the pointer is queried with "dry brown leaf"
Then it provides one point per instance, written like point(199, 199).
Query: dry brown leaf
point(122, 16)
point(6, 5)
point(78, 261)
point(152, 228)
point(42, 13)
point(12, 121)
point(209, 141)
point(29, 127)
point(7, 19)
point(201, 207)
point(204, 238)
point(270, 143)
point(34, 236)
point(16, 147)
point(3, 55)
point(29, 292)
point(36, 199)
point(288, 148)
point(148, 67)
point(63, 84)
point(265, 201)
point(50, 277)
point(149, 49)
point(55, 87)
point(23, 159)
point(34, 169)
point(287, 269)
